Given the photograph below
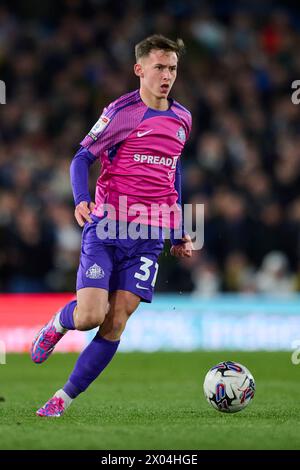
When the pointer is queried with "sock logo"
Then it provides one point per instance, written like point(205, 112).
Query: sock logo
point(95, 272)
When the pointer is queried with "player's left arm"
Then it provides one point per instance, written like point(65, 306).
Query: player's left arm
point(182, 247)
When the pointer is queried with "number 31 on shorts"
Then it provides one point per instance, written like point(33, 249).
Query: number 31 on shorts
point(145, 268)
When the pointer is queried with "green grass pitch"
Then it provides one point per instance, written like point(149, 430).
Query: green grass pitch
point(150, 401)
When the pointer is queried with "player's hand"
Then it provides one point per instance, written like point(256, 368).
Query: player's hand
point(82, 211)
point(184, 249)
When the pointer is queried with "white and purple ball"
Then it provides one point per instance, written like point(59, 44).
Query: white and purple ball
point(229, 387)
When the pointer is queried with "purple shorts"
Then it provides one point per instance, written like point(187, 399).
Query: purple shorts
point(114, 264)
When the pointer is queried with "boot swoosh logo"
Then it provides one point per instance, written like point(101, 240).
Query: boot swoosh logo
point(141, 134)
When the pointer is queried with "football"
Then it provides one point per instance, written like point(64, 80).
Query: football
point(229, 387)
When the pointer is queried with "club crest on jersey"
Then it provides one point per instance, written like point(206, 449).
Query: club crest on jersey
point(99, 127)
point(181, 134)
point(95, 272)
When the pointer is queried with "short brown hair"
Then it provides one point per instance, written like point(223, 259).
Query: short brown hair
point(158, 42)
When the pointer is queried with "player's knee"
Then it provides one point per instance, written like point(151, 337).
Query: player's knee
point(127, 307)
point(89, 318)
point(115, 324)
point(121, 313)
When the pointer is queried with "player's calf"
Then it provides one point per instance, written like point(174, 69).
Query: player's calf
point(113, 327)
point(122, 306)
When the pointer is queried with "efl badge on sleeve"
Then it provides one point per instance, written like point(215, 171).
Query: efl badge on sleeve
point(99, 127)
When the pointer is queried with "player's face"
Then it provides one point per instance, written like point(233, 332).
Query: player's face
point(158, 72)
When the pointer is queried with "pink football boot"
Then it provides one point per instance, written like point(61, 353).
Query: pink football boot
point(54, 408)
point(44, 342)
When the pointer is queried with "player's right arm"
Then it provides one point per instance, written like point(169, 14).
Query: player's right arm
point(79, 173)
point(82, 211)
point(113, 126)
point(79, 170)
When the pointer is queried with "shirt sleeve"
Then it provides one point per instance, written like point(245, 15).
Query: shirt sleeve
point(102, 134)
point(114, 125)
point(79, 173)
point(177, 182)
point(177, 234)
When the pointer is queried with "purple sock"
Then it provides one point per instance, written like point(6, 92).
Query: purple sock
point(66, 315)
point(91, 362)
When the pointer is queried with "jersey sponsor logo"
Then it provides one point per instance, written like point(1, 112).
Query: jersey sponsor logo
point(95, 272)
point(141, 134)
point(181, 134)
point(99, 127)
point(156, 160)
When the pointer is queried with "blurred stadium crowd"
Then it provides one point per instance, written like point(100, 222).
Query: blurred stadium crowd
point(63, 61)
